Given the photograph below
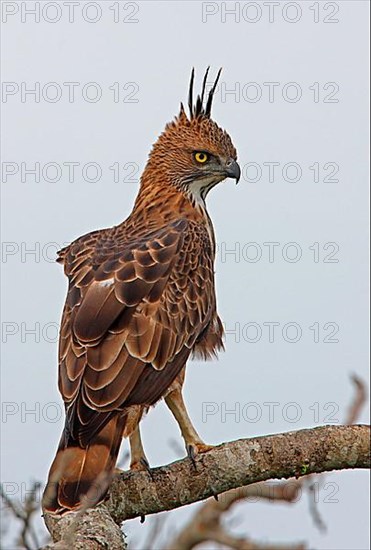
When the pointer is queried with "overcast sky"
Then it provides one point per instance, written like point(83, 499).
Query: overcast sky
point(293, 249)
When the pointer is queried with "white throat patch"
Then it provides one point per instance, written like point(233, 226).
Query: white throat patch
point(200, 188)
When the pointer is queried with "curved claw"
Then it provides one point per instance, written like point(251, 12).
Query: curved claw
point(193, 449)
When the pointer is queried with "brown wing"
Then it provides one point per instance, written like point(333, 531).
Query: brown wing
point(133, 313)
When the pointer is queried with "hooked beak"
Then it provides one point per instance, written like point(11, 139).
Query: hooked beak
point(233, 170)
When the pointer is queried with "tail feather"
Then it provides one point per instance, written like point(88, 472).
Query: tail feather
point(81, 475)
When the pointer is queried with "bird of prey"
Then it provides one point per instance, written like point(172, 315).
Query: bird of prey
point(141, 301)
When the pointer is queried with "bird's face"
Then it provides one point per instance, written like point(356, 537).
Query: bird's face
point(208, 169)
point(205, 169)
point(196, 155)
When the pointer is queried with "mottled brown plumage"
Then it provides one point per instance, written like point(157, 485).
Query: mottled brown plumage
point(140, 301)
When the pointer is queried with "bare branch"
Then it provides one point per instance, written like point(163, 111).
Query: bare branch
point(94, 530)
point(230, 465)
point(236, 464)
point(352, 416)
point(25, 515)
point(359, 400)
point(206, 523)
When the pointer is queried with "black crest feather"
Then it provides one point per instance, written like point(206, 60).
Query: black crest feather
point(199, 109)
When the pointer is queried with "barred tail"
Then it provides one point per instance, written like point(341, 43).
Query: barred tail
point(81, 475)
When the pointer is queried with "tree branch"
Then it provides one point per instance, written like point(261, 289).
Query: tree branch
point(228, 466)
point(207, 526)
point(92, 530)
point(236, 464)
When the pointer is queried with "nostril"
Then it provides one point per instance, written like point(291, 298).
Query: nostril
point(229, 162)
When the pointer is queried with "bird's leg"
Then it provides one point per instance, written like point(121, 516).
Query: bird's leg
point(193, 442)
point(138, 459)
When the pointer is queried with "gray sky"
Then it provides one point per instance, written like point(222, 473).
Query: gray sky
point(292, 263)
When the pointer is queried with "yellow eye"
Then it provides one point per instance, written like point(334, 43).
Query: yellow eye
point(201, 157)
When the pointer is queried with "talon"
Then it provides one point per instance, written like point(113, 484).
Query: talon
point(203, 447)
point(139, 466)
point(193, 449)
point(191, 452)
point(144, 462)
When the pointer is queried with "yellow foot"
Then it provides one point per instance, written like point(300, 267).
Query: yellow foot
point(195, 448)
point(141, 465)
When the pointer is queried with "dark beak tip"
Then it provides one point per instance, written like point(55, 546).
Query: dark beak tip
point(234, 171)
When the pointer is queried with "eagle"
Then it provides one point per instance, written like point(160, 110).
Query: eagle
point(140, 302)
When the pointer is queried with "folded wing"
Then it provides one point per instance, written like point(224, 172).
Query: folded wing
point(133, 314)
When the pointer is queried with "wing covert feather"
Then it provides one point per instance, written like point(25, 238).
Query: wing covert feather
point(134, 307)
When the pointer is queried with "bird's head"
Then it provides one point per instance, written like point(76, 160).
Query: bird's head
point(194, 153)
